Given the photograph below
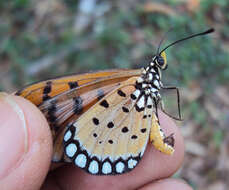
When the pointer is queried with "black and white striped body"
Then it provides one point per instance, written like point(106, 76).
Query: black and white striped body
point(148, 86)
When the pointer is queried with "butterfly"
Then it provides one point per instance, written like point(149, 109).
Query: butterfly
point(103, 121)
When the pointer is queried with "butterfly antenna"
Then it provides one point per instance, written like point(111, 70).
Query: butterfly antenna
point(189, 37)
point(162, 39)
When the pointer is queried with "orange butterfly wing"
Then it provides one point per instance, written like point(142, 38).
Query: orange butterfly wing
point(69, 103)
point(59, 99)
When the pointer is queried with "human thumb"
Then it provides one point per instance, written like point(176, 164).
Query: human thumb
point(25, 144)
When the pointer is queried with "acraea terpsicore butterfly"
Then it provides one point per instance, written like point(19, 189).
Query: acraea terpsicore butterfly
point(102, 121)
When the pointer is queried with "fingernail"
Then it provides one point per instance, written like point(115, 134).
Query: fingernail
point(13, 134)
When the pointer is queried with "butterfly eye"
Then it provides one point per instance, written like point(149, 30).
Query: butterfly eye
point(160, 61)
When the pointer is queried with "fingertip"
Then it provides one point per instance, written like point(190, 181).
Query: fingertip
point(34, 153)
point(168, 184)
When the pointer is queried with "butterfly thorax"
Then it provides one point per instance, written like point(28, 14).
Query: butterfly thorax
point(147, 87)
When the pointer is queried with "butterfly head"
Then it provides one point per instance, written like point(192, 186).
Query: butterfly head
point(160, 61)
point(150, 81)
point(160, 58)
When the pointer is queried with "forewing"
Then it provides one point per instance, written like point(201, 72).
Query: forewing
point(39, 92)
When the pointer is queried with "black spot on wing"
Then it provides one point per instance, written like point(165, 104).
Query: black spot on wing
point(95, 121)
point(110, 141)
point(73, 85)
point(133, 97)
point(134, 137)
point(110, 125)
point(52, 118)
point(52, 107)
point(143, 130)
point(46, 97)
point(51, 112)
point(125, 129)
point(78, 105)
point(125, 109)
point(48, 87)
point(121, 93)
point(104, 103)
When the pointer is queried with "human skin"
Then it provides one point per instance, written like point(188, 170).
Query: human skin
point(26, 149)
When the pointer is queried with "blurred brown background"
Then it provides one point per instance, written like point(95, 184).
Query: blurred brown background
point(48, 38)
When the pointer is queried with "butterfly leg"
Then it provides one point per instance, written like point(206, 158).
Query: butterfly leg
point(158, 138)
point(163, 110)
point(178, 102)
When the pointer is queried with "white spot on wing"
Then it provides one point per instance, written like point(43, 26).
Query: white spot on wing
point(81, 160)
point(93, 167)
point(124, 156)
point(136, 93)
point(71, 149)
point(149, 101)
point(106, 168)
point(119, 167)
point(141, 102)
point(67, 136)
point(132, 163)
